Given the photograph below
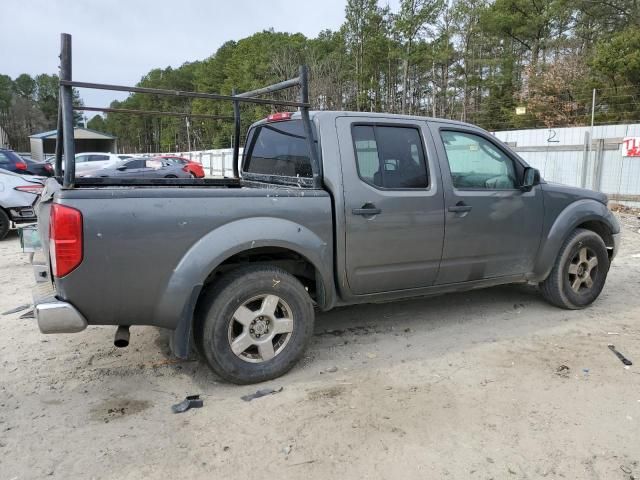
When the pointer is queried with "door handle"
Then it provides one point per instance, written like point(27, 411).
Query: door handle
point(460, 208)
point(366, 210)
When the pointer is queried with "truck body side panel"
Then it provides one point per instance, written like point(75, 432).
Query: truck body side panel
point(146, 249)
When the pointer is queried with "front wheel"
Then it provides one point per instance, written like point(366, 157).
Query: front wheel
point(579, 273)
point(254, 323)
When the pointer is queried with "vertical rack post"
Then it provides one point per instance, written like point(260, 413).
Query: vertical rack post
point(236, 136)
point(66, 105)
point(308, 131)
point(59, 139)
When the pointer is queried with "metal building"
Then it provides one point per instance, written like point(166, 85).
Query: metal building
point(86, 140)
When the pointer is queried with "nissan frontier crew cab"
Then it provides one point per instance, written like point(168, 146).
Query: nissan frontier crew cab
point(405, 206)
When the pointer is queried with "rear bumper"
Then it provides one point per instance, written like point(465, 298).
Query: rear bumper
point(22, 215)
point(54, 315)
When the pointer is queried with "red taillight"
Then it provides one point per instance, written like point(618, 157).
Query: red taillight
point(279, 117)
point(65, 234)
point(48, 167)
point(21, 166)
point(35, 189)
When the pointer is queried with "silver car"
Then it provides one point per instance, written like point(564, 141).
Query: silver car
point(18, 195)
point(143, 168)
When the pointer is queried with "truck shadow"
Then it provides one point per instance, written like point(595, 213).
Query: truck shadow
point(372, 336)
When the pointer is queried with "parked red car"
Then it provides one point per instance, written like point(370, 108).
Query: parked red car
point(194, 168)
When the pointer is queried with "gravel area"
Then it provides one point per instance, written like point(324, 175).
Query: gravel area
point(487, 384)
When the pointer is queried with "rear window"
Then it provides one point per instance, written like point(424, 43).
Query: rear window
point(278, 148)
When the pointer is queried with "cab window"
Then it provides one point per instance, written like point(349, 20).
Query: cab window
point(279, 148)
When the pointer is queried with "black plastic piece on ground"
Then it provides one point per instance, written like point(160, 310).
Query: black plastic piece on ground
point(191, 401)
point(622, 358)
point(260, 393)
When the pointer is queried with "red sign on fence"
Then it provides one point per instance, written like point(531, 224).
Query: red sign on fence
point(631, 147)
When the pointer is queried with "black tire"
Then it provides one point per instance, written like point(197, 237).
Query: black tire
point(5, 222)
point(216, 325)
point(559, 288)
point(170, 176)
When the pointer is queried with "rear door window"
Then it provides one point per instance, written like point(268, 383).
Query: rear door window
point(98, 158)
point(278, 149)
point(135, 164)
point(5, 161)
point(390, 156)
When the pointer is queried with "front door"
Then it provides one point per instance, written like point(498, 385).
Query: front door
point(492, 227)
point(394, 219)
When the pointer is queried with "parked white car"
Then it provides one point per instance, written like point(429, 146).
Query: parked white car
point(18, 195)
point(91, 161)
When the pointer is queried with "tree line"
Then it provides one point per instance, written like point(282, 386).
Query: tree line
point(29, 105)
point(500, 64)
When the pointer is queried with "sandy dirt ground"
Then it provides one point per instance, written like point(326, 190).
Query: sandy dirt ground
point(481, 385)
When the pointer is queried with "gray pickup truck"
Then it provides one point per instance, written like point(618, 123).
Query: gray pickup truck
point(326, 209)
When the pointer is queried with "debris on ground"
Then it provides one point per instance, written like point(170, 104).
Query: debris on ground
point(29, 314)
point(563, 371)
point(622, 358)
point(333, 369)
point(16, 310)
point(190, 401)
point(260, 393)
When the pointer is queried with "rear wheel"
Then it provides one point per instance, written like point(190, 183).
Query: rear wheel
point(580, 271)
point(4, 224)
point(254, 324)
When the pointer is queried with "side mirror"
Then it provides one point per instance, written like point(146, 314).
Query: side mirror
point(122, 168)
point(530, 179)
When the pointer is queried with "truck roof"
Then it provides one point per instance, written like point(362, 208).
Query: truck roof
point(328, 115)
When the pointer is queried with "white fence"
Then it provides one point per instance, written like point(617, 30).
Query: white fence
point(565, 155)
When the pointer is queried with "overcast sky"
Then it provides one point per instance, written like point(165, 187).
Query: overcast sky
point(118, 41)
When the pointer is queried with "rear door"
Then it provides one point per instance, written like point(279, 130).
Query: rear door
point(492, 227)
point(393, 205)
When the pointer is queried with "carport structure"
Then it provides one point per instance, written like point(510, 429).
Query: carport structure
point(86, 140)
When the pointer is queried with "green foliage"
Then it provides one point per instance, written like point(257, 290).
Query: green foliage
point(25, 86)
point(29, 105)
point(98, 124)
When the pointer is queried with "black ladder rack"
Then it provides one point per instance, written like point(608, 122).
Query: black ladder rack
point(65, 148)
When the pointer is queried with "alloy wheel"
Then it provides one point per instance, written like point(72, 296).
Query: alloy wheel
point(260, 328)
